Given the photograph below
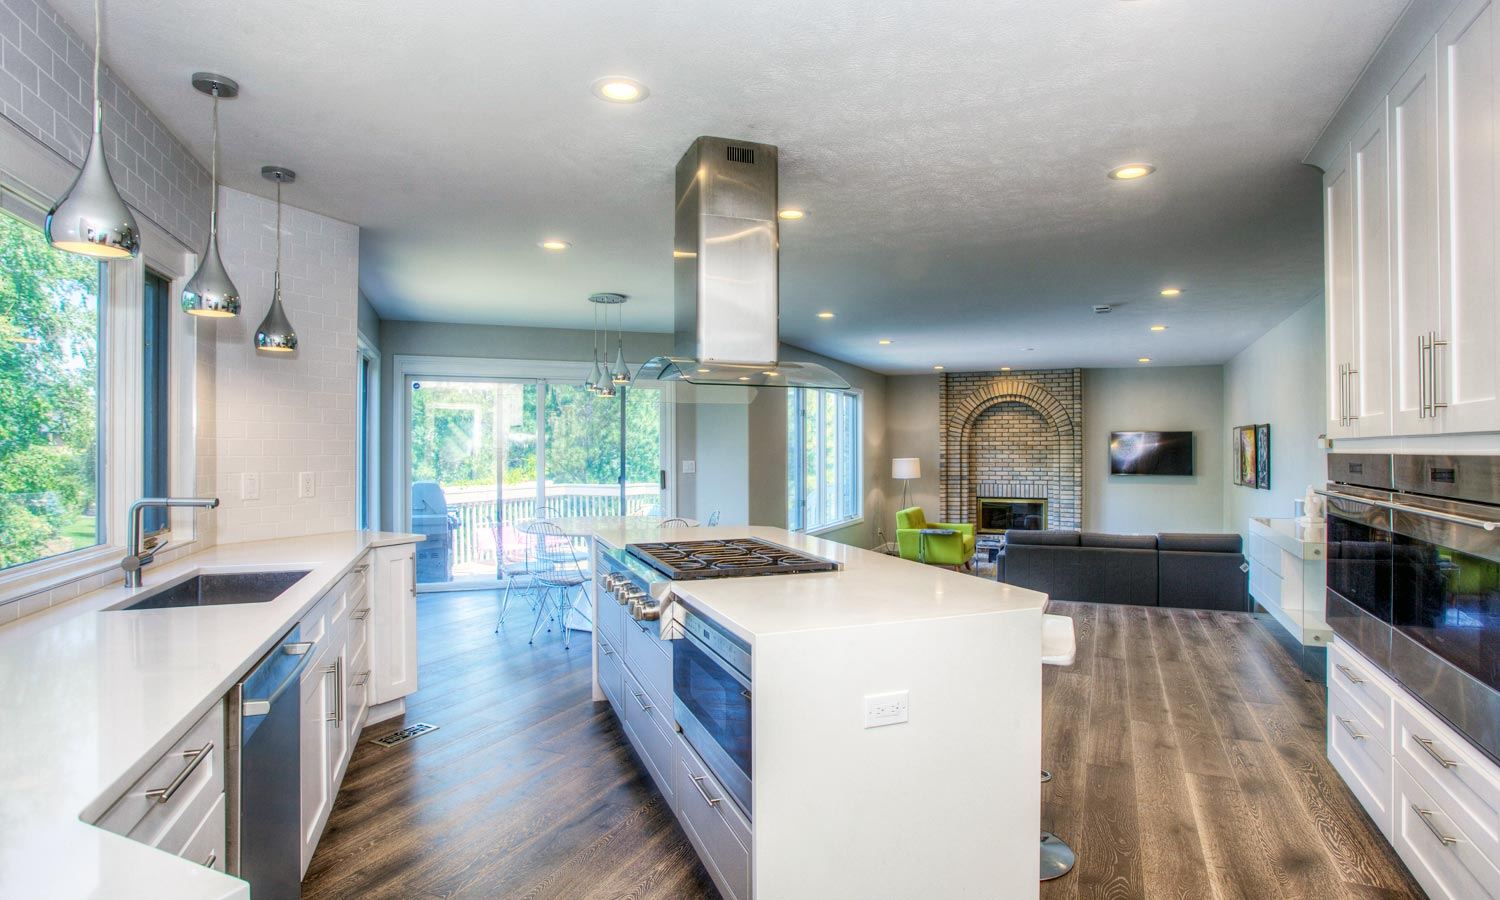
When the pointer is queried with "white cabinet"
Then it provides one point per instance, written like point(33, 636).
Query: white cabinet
point(1338, 269)
point(1288, 577)
point(1412, 245)
point(1414, 233)
point(317, 748)
point(1465, 379)
point(1433, 795)
point(393, 649)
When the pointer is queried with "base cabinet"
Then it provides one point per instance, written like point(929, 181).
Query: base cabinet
point(1434, 796)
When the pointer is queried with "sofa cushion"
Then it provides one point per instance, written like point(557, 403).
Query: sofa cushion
point(1118, 541)
point(1043, 538)
point(1199, 543)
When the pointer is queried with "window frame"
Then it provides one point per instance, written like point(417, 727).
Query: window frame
point(30, 173)
point(848, 454)
point(367, 441)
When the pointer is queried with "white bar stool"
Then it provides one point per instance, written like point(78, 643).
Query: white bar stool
point(1059, 648)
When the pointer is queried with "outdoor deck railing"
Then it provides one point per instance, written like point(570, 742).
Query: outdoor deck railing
point(473, 510)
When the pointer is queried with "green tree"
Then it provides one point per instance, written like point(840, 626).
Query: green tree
point(48, 395)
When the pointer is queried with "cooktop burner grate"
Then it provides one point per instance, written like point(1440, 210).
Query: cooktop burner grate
point(726, 558)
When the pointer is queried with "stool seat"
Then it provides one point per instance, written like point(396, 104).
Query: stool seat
point(1058, 644)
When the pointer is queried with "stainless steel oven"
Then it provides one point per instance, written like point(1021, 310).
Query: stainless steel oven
point(1414, 578)
point(711, 678)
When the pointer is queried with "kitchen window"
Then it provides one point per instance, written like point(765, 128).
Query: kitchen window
point(823, 459)
point(156, 312)
point(50, 327)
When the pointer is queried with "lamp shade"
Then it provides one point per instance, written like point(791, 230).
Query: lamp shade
point(905, 467)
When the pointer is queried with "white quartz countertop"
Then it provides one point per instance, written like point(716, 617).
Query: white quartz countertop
point(90, 697)
point(869, 589)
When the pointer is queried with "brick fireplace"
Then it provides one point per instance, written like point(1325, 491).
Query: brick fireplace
point(1014, 436)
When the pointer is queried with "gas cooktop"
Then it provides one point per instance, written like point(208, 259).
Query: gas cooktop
point(726, 558)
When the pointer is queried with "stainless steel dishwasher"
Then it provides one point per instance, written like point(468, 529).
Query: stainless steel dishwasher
point(264, 772)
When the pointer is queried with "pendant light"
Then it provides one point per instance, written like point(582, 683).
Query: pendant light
point(604, 379)
point(91, 219)
point(210, 292)
point(275, 333)
point(620, 374)
point(591, 382)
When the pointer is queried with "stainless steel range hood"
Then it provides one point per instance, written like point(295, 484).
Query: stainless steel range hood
point(725, 265)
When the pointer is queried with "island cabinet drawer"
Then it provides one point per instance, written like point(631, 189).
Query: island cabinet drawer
point(1360, 759)
point(651, 734)
point(611, 675)
point(1440, 854)
point(713, 823)
point(329, 612)
point(649, 658)
point(181, 785)
point(609, 616)
point(1457, 777)
point(205, 845)
point(1364, 690)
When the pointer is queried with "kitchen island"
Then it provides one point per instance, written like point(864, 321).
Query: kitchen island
point(894, 718)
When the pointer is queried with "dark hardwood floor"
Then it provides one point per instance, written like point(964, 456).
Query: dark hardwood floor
point(1186, 750)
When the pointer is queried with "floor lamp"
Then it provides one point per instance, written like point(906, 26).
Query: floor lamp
point(904, 469)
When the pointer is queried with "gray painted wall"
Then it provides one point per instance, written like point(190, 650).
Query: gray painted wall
point(1278, 379)
point(912, 430)
point(1180, 398)
point(369, 321)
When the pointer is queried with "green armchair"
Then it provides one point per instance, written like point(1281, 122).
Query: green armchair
point(942, 549)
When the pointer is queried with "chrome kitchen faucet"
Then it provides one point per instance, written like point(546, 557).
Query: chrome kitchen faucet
point(136, 559)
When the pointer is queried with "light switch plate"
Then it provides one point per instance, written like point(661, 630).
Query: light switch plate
point(306, 485)
point(690, 467)
point(887, 709)
point(249, 486)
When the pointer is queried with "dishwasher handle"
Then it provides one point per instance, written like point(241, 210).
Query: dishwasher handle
point(302, 649)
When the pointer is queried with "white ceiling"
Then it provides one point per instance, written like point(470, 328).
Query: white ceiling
point(950, 154)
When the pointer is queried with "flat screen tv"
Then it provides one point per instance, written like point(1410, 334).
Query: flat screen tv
point(1151, 453)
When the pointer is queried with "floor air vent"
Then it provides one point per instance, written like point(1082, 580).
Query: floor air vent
point(405, 734)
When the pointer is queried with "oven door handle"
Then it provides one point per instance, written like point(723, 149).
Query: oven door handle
point(1414, 510)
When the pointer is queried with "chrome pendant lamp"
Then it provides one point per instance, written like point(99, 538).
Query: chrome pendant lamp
point(620, 373)
point(604, 378)
point(91, 219)
point(591, 381)
point(275, 333)
point(210, 292)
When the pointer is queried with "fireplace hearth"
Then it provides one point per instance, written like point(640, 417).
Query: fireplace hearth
point(998, 515)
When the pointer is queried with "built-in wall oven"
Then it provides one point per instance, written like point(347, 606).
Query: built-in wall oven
point(1414, 578)
point(711, 671)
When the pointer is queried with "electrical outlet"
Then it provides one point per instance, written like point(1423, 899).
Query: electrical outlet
point(249, 486)
point(306, 485)
point(887, 709)
point(690, 467)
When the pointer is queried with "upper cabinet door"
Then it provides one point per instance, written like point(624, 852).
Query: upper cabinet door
point(1414, 240)
point(1338, 268)
point(1369, 379)
point(1464, 360)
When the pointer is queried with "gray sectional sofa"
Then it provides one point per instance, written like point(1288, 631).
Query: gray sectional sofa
point(1197, 571)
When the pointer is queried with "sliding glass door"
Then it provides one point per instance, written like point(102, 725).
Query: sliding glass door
point(485, 454)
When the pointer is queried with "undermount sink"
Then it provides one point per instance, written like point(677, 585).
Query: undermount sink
point(220, 590)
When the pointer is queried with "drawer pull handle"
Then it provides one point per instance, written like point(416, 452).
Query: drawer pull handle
point(195, 758)
point(698, 783)
point(1427, 744)
point(1349, 727)
point(1426, 817)
point(361, 679)
point(643, 703)
point(1349, 674)
point(213, 857)
point(745, 694)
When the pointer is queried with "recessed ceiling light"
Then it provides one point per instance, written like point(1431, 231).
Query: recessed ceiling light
point(1005, 368)
point(1158, 328)
point(684, 254)
point(771, 374)
point(1171, 292)
point(1131, 171)
point(744, 378)
point(938, 368)
point(554, 244)
point(1144, 359)
point(619, 89)
point(792, 214)
point(825, 315)
point(704, 371)
point(885, 341)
